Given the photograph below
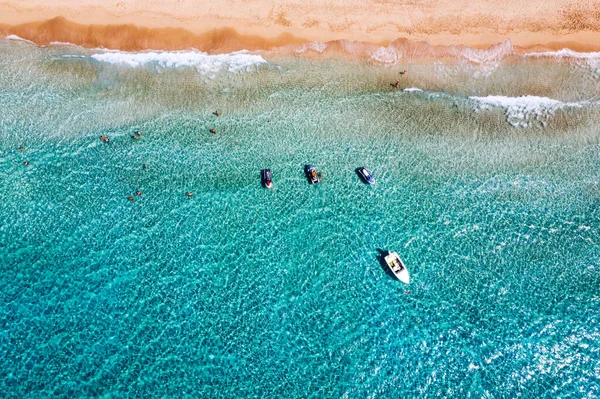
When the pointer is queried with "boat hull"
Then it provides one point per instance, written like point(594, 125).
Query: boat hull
point(267, 178)
point(397, 267)
point(311, 174)
point(365, 175)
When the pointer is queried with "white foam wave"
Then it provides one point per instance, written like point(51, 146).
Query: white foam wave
point(17, 38)
point(493, 54)
point(565, 53)
point(386, 55)
point(590, 61)
point(522, 111)
point(318, 47)
point(412, 89)
point(239, 61)
point(62, 44)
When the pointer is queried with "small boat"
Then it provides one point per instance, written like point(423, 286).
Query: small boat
point(365, 175)
point(311, 174)
point(397, 266)
point(267, 178)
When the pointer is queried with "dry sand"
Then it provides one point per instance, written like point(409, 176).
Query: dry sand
point(179, 24)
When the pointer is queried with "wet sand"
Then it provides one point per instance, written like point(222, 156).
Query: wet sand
point(209, 26)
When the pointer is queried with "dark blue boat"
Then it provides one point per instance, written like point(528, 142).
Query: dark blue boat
point(267, 178)
point(365, 175)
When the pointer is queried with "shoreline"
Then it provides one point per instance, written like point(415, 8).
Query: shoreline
point(264, 24)
point(129, 37)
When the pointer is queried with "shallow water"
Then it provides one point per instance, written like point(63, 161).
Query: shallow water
point(244, 292)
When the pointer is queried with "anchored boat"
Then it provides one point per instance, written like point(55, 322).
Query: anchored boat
point(397, 266)
point(365, 175)
point(311, 174)
point(267, 178)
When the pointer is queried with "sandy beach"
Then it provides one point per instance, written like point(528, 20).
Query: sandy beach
point(136, 25)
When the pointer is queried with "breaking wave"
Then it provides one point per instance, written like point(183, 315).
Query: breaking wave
point(565, 53)
point(401, 50)
point(236, 62)
point(20, 39)
point(523, 110)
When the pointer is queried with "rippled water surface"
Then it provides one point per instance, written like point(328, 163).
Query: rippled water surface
point(239, 291)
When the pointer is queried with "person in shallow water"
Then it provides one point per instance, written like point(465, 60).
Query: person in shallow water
point(217, 113)
point(105, 139)
point(403, 72)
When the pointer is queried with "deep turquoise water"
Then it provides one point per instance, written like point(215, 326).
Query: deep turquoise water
point(244, 292)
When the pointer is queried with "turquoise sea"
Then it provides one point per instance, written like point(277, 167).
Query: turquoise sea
point(491, 199)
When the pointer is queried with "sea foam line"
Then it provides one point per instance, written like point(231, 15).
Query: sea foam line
point(521, 111)
point(239, 61)
point(18, 38)
point(565, 53)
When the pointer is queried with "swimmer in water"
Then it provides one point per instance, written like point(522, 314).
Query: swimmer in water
point(134, 137)
point(217, 113)
point(138, 193)
point(130, 198)
point(105, 139)
point(190, 193)
point(21, 149)
point(213, 130)
point(144, 166)
point(26, 163)
point(138, 132)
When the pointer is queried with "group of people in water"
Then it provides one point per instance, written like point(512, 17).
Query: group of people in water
point(397, 84)
point(21, 149)
point(134, 136)
point(137, 194)
point(137, 134)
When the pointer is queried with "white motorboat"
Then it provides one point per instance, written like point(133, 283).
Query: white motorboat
point(397, 266)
